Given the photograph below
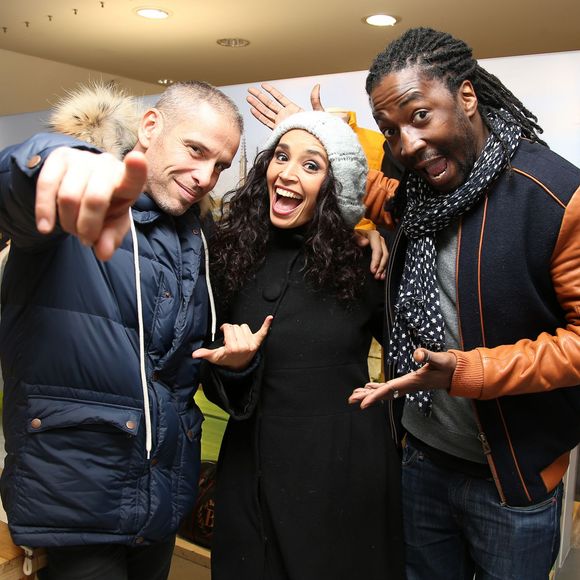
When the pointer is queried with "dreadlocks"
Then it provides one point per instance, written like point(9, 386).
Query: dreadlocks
point(440, 55)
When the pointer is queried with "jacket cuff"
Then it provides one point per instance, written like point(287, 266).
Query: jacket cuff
point(467, 380)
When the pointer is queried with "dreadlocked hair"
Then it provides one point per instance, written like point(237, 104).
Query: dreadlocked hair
point(440, 55)
point(333, 260)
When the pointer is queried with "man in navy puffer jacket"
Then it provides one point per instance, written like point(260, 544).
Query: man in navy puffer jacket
point(102, 433)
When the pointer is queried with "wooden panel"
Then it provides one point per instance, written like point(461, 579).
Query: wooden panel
point(191, 552)
point(12, 557)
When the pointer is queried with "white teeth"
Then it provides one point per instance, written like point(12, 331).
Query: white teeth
point(286, 193)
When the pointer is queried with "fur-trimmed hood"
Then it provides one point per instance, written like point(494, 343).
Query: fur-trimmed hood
point(101, 114)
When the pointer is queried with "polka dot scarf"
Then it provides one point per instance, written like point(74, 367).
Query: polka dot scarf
point(418, 317)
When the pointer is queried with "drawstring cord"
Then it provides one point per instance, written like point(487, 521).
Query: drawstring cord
point(209, 288)
point(147, 408)
point(27, 562)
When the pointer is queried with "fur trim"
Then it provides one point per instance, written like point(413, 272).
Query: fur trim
point(101, 114)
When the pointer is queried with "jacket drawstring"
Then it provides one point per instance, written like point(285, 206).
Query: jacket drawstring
point(147, 408)
point(209, 288)
point(27, 562)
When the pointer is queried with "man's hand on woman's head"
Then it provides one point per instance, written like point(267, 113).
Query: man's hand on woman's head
point(271, 107)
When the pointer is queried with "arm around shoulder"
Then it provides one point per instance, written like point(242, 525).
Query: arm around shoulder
point(379, 190)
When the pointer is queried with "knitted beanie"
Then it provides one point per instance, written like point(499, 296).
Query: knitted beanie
point(345, 155)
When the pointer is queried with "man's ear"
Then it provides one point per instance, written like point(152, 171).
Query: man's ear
point(150, 127)
point(467, 98)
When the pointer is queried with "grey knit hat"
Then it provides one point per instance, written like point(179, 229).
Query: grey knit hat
point(345, 155)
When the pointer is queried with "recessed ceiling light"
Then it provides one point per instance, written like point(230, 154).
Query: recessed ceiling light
point(152, 13)
point(380, 20)
point(165, 82)
point(233, 42)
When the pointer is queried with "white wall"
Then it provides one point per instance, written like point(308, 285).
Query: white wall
point(50, 80)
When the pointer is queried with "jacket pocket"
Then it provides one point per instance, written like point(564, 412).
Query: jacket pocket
point(77, 467)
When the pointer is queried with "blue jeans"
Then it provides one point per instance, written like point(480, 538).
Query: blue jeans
point(456, 529)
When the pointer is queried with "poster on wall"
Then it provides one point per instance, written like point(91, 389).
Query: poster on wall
point(558, 111)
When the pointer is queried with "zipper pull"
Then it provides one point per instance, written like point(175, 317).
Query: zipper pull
point(483, 439)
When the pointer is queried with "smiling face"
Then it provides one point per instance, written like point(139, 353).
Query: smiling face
point(429, 130)
point(186, 154)
point(295, 175)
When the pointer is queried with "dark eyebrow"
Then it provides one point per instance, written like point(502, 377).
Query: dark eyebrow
point(309, 151)
point(315, 152)
point(411, 96)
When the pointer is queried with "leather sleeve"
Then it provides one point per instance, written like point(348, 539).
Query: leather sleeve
point(546, 363)
point(380, 189)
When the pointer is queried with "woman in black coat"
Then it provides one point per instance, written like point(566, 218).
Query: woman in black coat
point(308, 486)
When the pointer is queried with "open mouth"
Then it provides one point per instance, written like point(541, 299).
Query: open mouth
point(436, 169)
point(285, 201)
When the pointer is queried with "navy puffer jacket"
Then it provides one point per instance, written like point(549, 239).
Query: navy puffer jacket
point(74, 414)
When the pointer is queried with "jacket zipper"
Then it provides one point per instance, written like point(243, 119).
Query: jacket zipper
point(488, 456)
point(480, 435)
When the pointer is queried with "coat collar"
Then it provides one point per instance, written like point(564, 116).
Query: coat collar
point(146, 211)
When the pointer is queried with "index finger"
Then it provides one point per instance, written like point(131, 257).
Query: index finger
point(277, 95)
point(264, 100)
point(133, 178)
point(47, 185)
point(264, 329)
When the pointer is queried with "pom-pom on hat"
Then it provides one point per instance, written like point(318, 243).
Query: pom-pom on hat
point(345, 155)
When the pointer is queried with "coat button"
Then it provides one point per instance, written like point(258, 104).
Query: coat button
point(35, 423)
point(195, 232)
point(130, 425)
point(34, 161)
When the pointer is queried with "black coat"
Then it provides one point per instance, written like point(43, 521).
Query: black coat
point(308, 486)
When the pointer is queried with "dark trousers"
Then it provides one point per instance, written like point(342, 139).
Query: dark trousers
point(109, 562)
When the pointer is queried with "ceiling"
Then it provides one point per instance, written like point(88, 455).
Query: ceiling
point(287, 39)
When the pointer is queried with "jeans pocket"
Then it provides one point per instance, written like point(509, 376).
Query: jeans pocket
point(410, 455)
point(540, 506)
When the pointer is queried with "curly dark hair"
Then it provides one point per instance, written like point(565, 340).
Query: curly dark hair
point(333, 260)
point(440, 55)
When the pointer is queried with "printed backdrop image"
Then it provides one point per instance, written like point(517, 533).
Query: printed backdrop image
point(547, 84)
